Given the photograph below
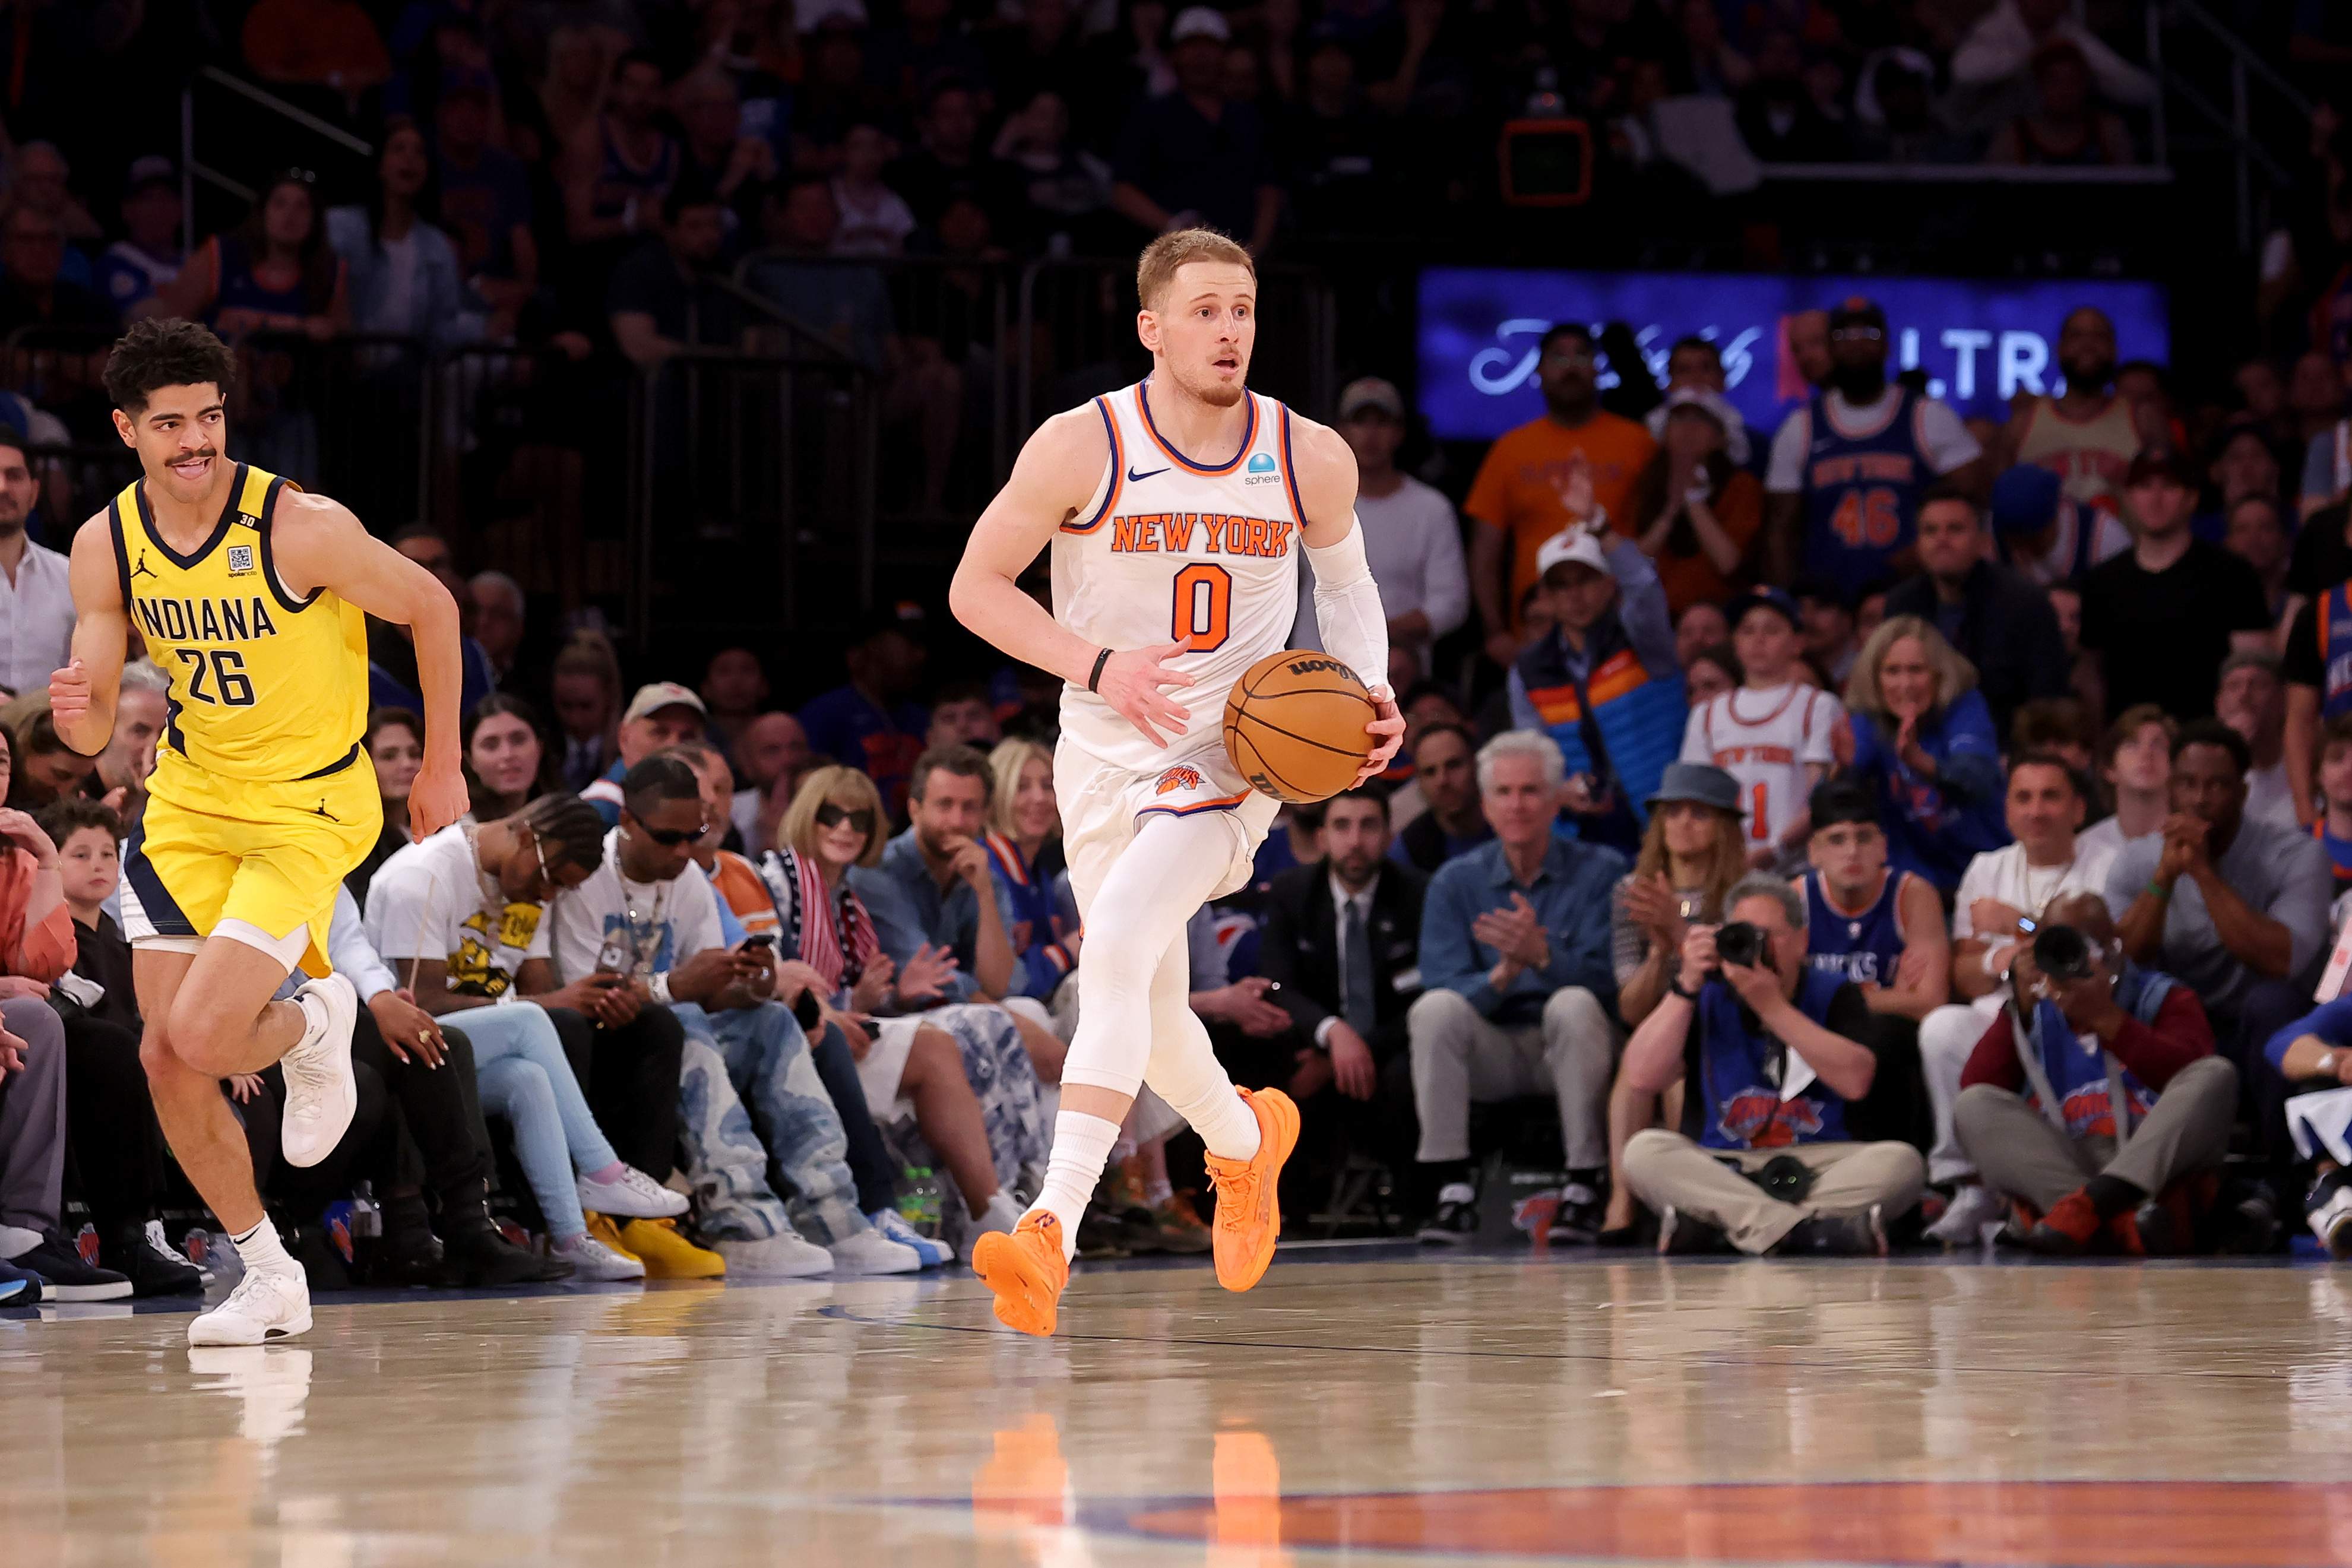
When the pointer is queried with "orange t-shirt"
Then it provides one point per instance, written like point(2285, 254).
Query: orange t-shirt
point(1691, 577)
point(1517, 487)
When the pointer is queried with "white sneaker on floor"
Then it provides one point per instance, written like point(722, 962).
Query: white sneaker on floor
point(1973, 1206)
point(263, 1307)
point(592, 1260)
point(636, 1195)
point(934, 1250)
point(780, 1257)
point(321, 1095)
point(871, 1253)
point(1001, 1215)
point(155, 1239)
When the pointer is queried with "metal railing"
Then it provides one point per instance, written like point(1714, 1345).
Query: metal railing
point(2243, 70)
point(1076, 337)
point(256, 100)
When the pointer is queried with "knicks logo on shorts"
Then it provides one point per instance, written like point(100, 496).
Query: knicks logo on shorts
point(1177, 779)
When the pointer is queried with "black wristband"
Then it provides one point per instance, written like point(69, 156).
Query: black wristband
point(1675, 985)
point(1094, 678)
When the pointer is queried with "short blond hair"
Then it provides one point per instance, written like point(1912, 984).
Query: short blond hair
point(1954, 674)
point(797, 831)
point(1006, 762)
point(1156, 268)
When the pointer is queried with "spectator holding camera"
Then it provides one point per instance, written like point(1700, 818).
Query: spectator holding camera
point(2235, 908)
point(2096, 1091)
point(1771, 1052)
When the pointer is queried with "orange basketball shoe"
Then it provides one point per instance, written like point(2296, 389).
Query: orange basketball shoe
point(1249, 1215)
point(1026, 1270)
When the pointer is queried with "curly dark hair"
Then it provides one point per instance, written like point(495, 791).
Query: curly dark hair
point(165, 352)
point(69, 814)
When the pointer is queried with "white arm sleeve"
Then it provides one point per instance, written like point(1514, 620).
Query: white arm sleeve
point(1347, 611)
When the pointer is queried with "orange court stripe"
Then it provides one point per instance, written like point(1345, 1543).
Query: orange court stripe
point(2013, 1524)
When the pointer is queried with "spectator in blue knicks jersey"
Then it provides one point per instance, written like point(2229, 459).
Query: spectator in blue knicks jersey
point(1878, 927)
point(868, 724)
point(1849, 469)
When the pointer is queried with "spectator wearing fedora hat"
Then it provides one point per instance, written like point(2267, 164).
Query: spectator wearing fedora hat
point(1412, 538)
point(2158, 619)
point(1692, 854)
point(1602, 682)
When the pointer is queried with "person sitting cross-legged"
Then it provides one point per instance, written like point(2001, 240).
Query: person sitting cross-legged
point(2002, 894)
point(1693, 853)
point(1515, 948)
point(2038, 1112)
point(1771, 1054)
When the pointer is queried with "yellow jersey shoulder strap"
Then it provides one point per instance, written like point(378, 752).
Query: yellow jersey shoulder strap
point(256, 504)
point(126, 500)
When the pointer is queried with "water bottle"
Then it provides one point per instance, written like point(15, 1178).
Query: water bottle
point(922, 1201)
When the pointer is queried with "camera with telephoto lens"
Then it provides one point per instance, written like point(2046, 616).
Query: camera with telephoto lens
point(2063, 953)
point(1740, 942)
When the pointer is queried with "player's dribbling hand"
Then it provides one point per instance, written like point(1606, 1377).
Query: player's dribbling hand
point(1387, 730)
point(435, 800)
point(69, 696)
point(1131, 683)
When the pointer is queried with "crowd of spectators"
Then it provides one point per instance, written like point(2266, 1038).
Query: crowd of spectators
point(1887, 827)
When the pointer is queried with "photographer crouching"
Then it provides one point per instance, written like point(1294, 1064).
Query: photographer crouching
point(1771, 1051)
point(2042, 1124)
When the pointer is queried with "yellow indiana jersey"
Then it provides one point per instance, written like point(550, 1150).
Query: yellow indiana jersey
point(265, 689)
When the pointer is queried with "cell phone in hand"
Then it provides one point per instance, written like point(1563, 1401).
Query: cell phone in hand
point(613, 957)
point(764, 942)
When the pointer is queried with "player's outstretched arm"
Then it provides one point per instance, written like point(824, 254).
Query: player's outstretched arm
point(1058, 469)
point(82, 696)
point(1347, 612)
point(318, 543)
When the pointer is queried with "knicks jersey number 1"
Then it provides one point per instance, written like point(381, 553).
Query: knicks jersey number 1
point(1170, 549)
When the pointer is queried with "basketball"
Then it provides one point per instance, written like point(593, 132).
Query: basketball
point(1295, 726)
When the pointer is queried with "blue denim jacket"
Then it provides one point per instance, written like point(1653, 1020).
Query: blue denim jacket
point(1571, 895)
point(441, 309)
point(909, 910)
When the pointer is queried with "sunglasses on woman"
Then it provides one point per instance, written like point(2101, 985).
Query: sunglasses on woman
point(832, 816)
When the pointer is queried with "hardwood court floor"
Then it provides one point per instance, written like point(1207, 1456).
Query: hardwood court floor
point(1372, 1406)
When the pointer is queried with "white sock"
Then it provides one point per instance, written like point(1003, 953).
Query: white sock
point(264, 1253)
point(315, 1019)
point(1225, 1123)
point(1081, 1144)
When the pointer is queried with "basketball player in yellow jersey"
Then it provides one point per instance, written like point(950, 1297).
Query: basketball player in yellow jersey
point(1171, 508)
point(249, 594)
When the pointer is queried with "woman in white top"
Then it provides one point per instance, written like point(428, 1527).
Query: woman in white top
point(2002, 893)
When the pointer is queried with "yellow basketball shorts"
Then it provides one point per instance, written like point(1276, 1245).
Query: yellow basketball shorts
point(270, 856)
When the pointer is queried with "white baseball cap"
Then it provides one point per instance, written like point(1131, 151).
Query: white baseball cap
point(1577, 545)
point(660, 694)
point(1200, 22)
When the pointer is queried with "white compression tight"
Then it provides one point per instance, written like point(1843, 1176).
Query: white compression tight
point(1135, 1023)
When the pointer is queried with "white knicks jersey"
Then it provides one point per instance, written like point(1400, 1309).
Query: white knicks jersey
point(1173, 550)
point(1764, 740)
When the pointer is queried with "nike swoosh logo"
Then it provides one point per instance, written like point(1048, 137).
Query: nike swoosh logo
point(1135, 478)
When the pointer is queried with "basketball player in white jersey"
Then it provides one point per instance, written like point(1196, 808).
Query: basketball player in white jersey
point(1176, 509)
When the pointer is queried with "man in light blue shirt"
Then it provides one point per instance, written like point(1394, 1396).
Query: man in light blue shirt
point(1515, 960)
